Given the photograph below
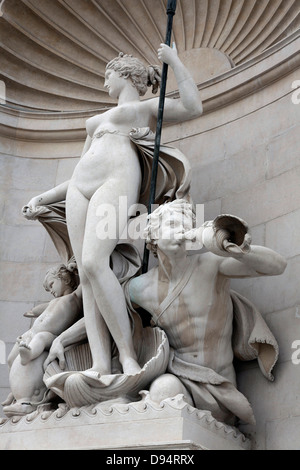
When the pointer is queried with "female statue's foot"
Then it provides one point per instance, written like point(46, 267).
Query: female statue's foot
point(130, 366)
point(97, 371)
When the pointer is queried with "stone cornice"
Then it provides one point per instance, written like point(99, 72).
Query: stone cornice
point(46, 136)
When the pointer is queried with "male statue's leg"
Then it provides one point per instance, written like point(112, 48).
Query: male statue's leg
point(168, 386)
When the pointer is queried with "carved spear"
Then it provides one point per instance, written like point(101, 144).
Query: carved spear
point(171, 8)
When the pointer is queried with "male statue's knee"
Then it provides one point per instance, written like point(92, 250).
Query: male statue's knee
point(165, 386)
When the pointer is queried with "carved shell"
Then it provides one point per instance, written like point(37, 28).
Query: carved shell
point(224, 233)
point(78, 386)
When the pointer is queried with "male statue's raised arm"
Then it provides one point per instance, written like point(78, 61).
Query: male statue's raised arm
point(260, 261)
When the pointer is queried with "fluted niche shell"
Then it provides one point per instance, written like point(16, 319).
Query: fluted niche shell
point(55, 52)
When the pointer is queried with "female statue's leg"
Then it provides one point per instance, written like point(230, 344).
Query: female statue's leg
point(77, 207)
point(106, 288)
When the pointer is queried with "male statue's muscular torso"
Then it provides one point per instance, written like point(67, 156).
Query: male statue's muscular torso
point(198, 323)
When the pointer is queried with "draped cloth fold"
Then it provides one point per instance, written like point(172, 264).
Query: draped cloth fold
point(174, 171)
point(252, 338)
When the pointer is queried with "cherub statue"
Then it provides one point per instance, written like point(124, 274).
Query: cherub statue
point(64, 310)
point(31, 349)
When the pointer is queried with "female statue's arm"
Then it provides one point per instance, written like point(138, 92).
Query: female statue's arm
point(189, 106)
point(56, 194)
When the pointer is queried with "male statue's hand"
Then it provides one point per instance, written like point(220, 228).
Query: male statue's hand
point(238, 250)
point(227, 235)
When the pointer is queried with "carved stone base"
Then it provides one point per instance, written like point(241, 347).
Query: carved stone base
point(140, 425)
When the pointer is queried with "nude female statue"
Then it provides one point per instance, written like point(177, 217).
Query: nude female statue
point(108, 169)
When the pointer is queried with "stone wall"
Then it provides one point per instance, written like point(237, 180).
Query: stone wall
point(26, 249)
point(244, 154)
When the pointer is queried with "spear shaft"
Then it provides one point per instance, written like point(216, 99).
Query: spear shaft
point(171, 8)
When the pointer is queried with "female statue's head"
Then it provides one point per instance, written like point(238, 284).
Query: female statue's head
point(141, 77)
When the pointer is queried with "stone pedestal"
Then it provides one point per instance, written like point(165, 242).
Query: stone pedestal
point(172, 425)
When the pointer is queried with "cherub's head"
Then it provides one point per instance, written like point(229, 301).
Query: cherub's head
point(141, 77)
point(60, 281)
point(167, 224)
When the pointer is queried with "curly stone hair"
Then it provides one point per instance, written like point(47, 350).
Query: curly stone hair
point(141, 76)
point(152, 230)
point(61, 272)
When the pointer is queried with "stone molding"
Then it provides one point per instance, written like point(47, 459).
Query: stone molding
point(171, 425)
